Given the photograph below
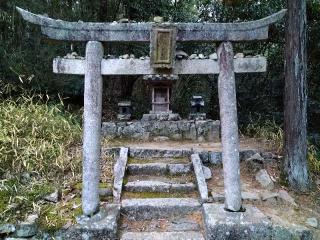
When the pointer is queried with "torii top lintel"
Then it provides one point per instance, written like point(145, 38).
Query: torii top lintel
point(140, 32)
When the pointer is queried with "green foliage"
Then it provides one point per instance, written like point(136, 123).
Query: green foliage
point(34, 136)
point(314, 158)
point(265, 129)
point(37, 138)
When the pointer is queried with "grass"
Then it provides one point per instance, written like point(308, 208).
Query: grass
point(39, 152)
point(314, 158)
point(34, 136)
point(268, 130)
point(274, 134)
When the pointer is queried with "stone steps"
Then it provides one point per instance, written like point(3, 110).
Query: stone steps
point(160, 200)
point(158, 186)
point(159, 169)
point(155, 208)
point(162, 236)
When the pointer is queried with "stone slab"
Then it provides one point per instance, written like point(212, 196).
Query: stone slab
point(162, 235)
point(143, 67)
point(119, 172)
point(249, 225)
point(158, 186)
point(201, 181)
point(101, 226)
point(159, 169)
point(152, 208)
point(223, 225)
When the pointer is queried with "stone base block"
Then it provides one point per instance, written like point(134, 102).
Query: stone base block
point(198, 131)
point(102, 226)
point(223, 225)
point(249, 225)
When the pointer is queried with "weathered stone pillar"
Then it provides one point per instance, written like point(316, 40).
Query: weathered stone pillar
point(92, 128)
point(229, 127)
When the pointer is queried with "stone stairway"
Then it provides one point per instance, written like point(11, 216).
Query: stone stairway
point(160, 201)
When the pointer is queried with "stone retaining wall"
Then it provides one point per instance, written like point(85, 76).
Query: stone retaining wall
point(200, 131)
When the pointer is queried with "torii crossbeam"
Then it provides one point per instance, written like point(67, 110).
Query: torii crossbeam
point(94, 66)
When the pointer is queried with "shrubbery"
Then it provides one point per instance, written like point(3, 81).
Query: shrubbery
point(34, 135)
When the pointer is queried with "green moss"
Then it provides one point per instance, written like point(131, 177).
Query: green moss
point(16, 197)
point(78, 186)
point(54, 217)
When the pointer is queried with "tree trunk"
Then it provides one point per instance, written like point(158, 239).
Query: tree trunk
point(295, 102)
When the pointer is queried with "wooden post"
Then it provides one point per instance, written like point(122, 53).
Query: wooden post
point(229, 128)
point(92, 128)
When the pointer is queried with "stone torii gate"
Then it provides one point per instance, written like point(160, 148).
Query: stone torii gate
point(163, 38)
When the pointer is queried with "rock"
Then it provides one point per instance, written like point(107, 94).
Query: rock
point(193, 56)
point(239, 55)
point(312, 222)
point(181, 55)
point(33, 218)
point(250, 196)
point(25, 178)
point(158, 19)
point(124, 20)
point(142, 58)
point(207, 172)
point(161, 139)
point(217, 197)
point(132, 56)
point(254, 163)
point(213, 56)
point(7, 228)
point(264, 179)
point(255, 157)
point(269, 195)
point(318, 182)
point(215, 158)
point(126, 56)
point(53, 197)
point(201, 56)
point(285, 196)
point(268, 155)
point(26, 230)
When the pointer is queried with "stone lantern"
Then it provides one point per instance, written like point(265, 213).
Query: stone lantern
point(125, 110)
point(197, 108)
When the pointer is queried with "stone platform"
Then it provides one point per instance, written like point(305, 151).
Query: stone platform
point(198, 131)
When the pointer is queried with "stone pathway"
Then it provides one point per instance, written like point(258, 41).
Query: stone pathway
point(160, 201)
